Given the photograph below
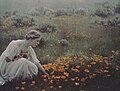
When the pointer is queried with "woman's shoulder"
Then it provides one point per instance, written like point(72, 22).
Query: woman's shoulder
point(19, 42)
point(15, 42)
point(12, 44)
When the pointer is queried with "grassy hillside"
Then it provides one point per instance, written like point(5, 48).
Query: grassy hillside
point(80, 31)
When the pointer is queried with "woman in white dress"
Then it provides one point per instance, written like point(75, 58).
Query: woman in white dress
point(19, 59)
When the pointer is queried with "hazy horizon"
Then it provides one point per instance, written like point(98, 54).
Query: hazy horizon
point(6, 5)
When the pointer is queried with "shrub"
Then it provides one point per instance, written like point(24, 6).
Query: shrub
point(117, 8)
point(63, 42)
point(18, 21)
point(38, 11)
point(101, 13)
point(104, 10)
point(47, 28)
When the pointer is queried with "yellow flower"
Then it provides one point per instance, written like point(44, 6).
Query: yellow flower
point(78, 66)
point(59, 86)
point(106, 71)
point(75, 70)
point(45, 80)
point(17, 88)
point(63, 77)
point(86, 70)
point(80, 58)
point(57, 77)
point(22, 88)
point(52, 76)
point(43, 90)
point(76, 77)
point(51, 81)
point(83, 80)
point(94, 74)
point(93, 63)
point(89, 66)
point(113, 51)
point(45, 67)
point(23, 83)
point(51, 86)
point(52, 72)
point(108, 75)
point(66, 80)
point(61, 69)
point(67, 74)
point(33, 82)
point(44, 76)
point(76, 83)
point(90, 76)
point(72, 79)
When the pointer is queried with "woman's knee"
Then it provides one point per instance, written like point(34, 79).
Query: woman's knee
point(23, 60)
point(28, 63)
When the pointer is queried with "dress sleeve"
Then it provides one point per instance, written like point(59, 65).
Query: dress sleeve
point(33, 55)
point(11, 50)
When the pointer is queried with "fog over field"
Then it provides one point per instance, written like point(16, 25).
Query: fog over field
point(26, 5)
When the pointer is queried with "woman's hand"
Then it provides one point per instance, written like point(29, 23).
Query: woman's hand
point(41, 69)
point(7, 59)
point(47, 75)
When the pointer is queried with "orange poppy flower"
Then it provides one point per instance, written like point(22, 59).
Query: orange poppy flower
point(86, 70)
point(17, 88)
point(33, 82)
point(59, 86)
point(23, 83)
point(22, 88)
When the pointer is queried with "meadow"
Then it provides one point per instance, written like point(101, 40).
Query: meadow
point(78, 34)
point(78, 51)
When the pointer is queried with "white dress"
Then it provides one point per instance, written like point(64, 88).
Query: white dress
point(20, 66)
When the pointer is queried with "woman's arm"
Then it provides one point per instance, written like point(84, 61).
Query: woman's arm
point(10, 51)
point(36, 61)
point(7, 59)
point(42, 69)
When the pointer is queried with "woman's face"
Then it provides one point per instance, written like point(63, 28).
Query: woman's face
point(35, 42)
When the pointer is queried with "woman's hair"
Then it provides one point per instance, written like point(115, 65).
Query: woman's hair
point(33, 34)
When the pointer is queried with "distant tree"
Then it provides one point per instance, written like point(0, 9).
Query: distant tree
point(117, 8)
point(38, 11)
point(104, 10)
point(60, 13)
point(101, 13)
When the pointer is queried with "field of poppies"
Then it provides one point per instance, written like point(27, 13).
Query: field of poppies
point(72, 73)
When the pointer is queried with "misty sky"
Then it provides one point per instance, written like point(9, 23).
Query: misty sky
point(27, 4)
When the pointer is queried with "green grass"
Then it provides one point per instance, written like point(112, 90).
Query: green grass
point(79, 30)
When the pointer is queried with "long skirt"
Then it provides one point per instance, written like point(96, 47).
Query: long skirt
point(22, 68)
